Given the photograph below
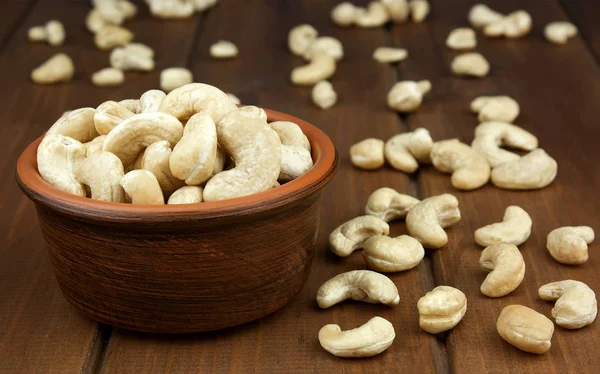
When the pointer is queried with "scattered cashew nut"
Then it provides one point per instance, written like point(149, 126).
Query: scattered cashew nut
point(223, 49)
point(461, 38)
point(525, 329)
point(132, 57)
point(515, 228)
point(398, 10)
point(57, 157)
point(387, 255)
point(560, 32)
point(368, 340)
point(532, 171)
point(426, 220)
point(470, 169)
point(352, 234)
point(186, 195)
point(569, 244)
point(441, 309)
point(325, 44)
point(108, 77)
point(185, 101)
point(489, 136)
point(405, 151)
point(53, 32)
point(576, 304)
point(507, 269)
point(173, 78)
point(59, 68)
point(368, 154)
point(111, 36)
point(344, 14)
point(360, 285)
point(495, 108)
point(321, 67)
point(481, 15)
point(407, 96)
point(388, 204)
point(300, 38)
point(470, 64)
point(375, 15)
point(388, 55)
point(102, 172)
point(171, 9)
point(141, 187)
point(323, 95)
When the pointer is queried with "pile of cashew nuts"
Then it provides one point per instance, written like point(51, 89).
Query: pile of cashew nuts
point(185, 147)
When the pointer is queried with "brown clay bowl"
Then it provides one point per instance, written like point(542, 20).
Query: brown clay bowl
point(183, 268)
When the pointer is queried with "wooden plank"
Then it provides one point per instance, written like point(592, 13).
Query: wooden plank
point(557, 89)
point(12, 13)
point(39, 330)
point(287, 340)
point(583, 14)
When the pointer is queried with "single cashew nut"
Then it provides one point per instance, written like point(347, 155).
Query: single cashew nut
point(525, 329)
point(375, 15)
point(57, 157)
point(300, 38)
point(359, 285)
point(405, 151)
point(323, 95)
point(78, 124)
point(351, 235)
point(171, 9)
point(368, 154)
point(173, 78)
point(256, 150)
point(94, 21)
point(289, 133)
point(470, 169)
point(507, 269)
point(59, 68)
point(109, 10)
point(95, 145)
point(234, 99)
point(128, 139)
point(368, 340)
point(186, 195)
point(151, 100)
point(132, 57)
point(387, 255)
point(141, 187)
point(344, 14)
point(489, 136)
point(461, 38)
point(223, 49)
point(185, 101)
point(109, 115)
point(515, 228)
point(481, 15)
point(296, 158)
point(441, 309)
point(560, 32)
point(576, 304)
point(407, 96)
point(388, 205)
point(419, 9)
point(569, 244)
point(495, 108)
point(532, 171)
point(321, 67)
point(102, 172)
point(471, 64)
point(426, 220)
point(155, 159)
point(111, 36)
point(108, 77)
point(388, 55)
point(514, 25)
point(127, 9)
point(327, 45)
point(398, 10)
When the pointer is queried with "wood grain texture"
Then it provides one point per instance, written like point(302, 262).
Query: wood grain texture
point(583, 13)
point(12, 15)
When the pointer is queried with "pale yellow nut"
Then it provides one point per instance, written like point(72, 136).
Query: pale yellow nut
point(404, 151)
point(185, 101)
point(173, 78)
point(151, 100)
point(102, 173)
point(388, 55)
point(532, 171)
point(441, 309)
point(495, 108)
point(368, 154)
point(171, 9)
point(569, 244)
point(576, 304)
point(109, 115)
point(470, 169)
point(426, 220)
point(368, 340)
point(323, 95)
point(108, 77)
point(127, 9)
point(111, 36)
point(325, 44)
point(296, 158)
point(398, 10)
point(55, 32)
point(59, 68)
point(156, 159)
point(57, 158)
point(507, 269)
point(132, 57)
point(77, 124)
point(344, 14)
point(461, 38)
point(202, 5)
point(375, 15)
point(290, 134)
point(109, 11)
point(223, 49)
point(525, 329)
point(387, 255)
point(186, 195)
point(321, 67)
point(514, 25)
point(300, 38)
point(95, 145)
point(560, 32)
point(481, 15)
point(471, 65)
point(352, 234)
point(388, 204)
point(419, 10)
point(131, 104)
point(407, 96)
point(234, 99)
point(515, 228)
point(37, 34)
point(359, 285)
point(141, 187)
point(94, 21)
point(490, 136)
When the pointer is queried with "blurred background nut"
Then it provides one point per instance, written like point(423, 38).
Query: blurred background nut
point(109, 11)
point(168, 9)
point(388, 204)
point(387, 55)
point(495, 108)
point(367, 154)
point(323, 95)
point(352, 234)
point(171, 78)
point(525, 329)
point(387, 255)
point(515, 228)
point(52, 32)
point(108, 77)
point(569, 244)
point(407, 96)
point(374, 15)
point(507, 269)
point(300, 38)
point(576, 304)
point(37, 34)
point(344, 14)
point(398, 10)
point(223, 49)
point(489, 136)
point(59, 68)
point(419, 9)
point(368, 340)
point(514, 25)
point(441, 309)
point(560, 32)
point(325, 44)
point(359, 285)
point(481, 15)
point(461, 38)
point(321, 67)
point(470, 64)
point(111, 36)
point(94, 21)
point(133, 56)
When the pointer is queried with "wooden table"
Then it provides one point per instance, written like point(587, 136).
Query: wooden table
point(558, 88)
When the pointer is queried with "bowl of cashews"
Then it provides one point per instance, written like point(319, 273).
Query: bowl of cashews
point(178, 212)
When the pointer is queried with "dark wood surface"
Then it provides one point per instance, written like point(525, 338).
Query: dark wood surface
point(558, 88)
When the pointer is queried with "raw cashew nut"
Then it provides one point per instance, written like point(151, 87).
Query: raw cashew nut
point(102, 172)
point(405, 151)
point(407, 96)
point(351, 235)
point(368, 154)
point(323, 95)
point(300, 38)
point(470, 169)
point(109, 10)
point(94, 21)
point(53, 32)
point(321, 67)
point(223, 49)
point(193, 158)
point(375, 15)
point(59, 68)
point(108, 77)
point(131, 105)
point(95, 145)
point(514, 25)
point(171, 9)
point(289, 133)
point(368, 340)
point(419, 9)
point(57, 157)
point(495, 108)
point(256, 150)
point(296, 158)
point(155, 159)
point(471, 64)
point(141, 187)
point(186, 195)
point(489, 136)
point(441, 309)
point(387, 55)
point(109, 115)
point(569, 244)
point(151, 100)
point(344, 14)
point(426, 220)
point(525, 329)
point(128, 139)
point(461, 38)
point(515, 228)
point(507, 269)
point(388, 205)
point(173, 78)
point(398, 10)
point(325, 44)
point(560, 32)
point(185, 101)
point(576, 304)
point(360, 285)
point(132, 57)
point(78, 124)
point(481, 15)
point(387, 255)
point(532, 171)
point(111, 36)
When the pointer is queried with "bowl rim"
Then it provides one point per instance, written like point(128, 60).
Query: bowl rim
point(324, 155)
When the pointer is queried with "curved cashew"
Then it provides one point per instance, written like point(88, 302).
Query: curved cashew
point(360, 285)
point(489, 136)
point(387, 55)
point(173, 78)
point(515, 228)
point(419, 9)
point(407, 96)
point(368, 154)
point(321, 67)
point(352, 234)
point(569, 244)
point(185, 101)
point(576, 304)
point(441, 309)
point(141, 187)
point(128, 139)
point(59, 68)
point(507, 269)
point(223, 49)
point(111, 36)
point(94, 21)
point(344, 14)
point(168, 9)
point(109, 10)
point(193, 158)
point(323, 95)
point(560, 32)
point(108, 77)
point(495, 108)
point(481, 15)
point(470, 170)
point(256, 150)
point(426, 220)
point(78, 124)
point(109, 115)
point(374, 15)
point(186, 195)
point(53, 32)
point(405, 151)
point(532, 171)
point(525, 329)
point(300, 38)
point(296, 159)
point(398, 10)
point(388, 205)
point(133, 56)
point(127, 9)
point(387, 255)
point(156, 160)
point(368, 340)
point(37, 34)
point(102, 172)
point(58, 156)
point(131, 105)
point(325, 44)
point(95, 145)
point(514, 25)
point(461, 38)
point(151, 100)
point(470, 64)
